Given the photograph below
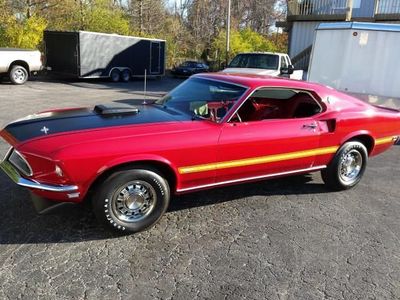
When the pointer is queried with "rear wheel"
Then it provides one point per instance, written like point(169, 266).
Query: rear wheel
point(18, 74)
point(347, 167)
point(132, 200)
point(125, 75)
point(115, 75)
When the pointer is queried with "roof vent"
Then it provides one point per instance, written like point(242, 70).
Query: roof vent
point(115, 109)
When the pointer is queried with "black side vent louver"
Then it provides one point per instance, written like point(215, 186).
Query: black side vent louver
point(108, 110)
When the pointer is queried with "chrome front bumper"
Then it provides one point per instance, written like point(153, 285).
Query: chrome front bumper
point(11, 171)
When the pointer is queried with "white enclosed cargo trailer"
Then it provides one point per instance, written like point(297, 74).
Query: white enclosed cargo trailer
point(357, 57)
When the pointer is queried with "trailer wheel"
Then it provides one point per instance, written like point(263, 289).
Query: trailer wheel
point(125, 75)
point(115, 75)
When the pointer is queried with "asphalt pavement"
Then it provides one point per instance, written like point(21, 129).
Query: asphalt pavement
point(279, 239)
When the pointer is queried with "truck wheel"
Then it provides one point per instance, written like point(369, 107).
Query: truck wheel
point(18, 74)
point(125, 75)
point(115, 75)
point(132, 200)
point(347, 167)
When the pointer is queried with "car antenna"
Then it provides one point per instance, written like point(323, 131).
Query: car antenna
point(145, 87)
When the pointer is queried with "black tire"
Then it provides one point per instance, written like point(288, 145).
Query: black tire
point(115, 75)
point(132, 200)
point(347, 167)
point(18, 74)
point(125, 75)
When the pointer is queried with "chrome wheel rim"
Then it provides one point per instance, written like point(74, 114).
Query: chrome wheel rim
point(19, 75)
point(350, 166)
point(134, 201)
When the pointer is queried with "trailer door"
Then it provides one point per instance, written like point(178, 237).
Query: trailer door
point(155, 57)
point(62, 52)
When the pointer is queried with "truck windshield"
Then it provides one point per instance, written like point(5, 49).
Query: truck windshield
point(203, 98)
point(257, 61)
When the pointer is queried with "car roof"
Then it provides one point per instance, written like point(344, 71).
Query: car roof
point(276, 53)
point(254, 81)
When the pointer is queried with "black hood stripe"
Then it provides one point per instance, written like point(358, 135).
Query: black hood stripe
point(73, 120)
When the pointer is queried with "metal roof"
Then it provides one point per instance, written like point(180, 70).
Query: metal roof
point(102, 33)
point(359, 26)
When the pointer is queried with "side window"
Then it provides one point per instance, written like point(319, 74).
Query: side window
point(284, 63)
point(267, 104)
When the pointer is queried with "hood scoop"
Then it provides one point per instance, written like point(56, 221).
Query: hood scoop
point(112, 110)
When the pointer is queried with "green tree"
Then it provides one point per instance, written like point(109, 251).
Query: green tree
point(26, 33)
point(245, 40)
point(178, 40)
point(103, 16)
point(192, 29)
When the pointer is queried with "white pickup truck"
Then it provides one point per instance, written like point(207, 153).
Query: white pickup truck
point(18, 64)
point(264, 63)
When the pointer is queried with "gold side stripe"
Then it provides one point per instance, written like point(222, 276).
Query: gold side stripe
point(257, 160)
point(385, 140)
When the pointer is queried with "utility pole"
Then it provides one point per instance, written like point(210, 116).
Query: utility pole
point(141, 16)
point(228, 32)
point(349, 10)
point(82, 17)
point(28, 9)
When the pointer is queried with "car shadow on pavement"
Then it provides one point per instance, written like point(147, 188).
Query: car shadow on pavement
point(20, 224)
point(294, 185)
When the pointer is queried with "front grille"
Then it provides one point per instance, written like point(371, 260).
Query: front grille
point(18, 161)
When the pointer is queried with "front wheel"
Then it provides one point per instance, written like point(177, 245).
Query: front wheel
point(347, 167)
point(18, 74)
point(132, 200)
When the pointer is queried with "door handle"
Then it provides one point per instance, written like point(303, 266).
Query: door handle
point(311, 126)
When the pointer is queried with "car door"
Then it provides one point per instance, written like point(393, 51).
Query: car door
point(265, 147)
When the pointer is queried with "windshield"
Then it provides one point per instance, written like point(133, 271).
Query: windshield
point(257, 61)
point(203, 98)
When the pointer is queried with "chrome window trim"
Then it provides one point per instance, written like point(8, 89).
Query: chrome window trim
point(205, 77)
point(276, 87)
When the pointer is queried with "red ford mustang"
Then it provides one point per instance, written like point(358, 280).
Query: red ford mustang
point(212, 130)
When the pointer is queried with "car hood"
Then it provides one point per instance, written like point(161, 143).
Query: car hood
point(251, 71)
point(70, 120)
